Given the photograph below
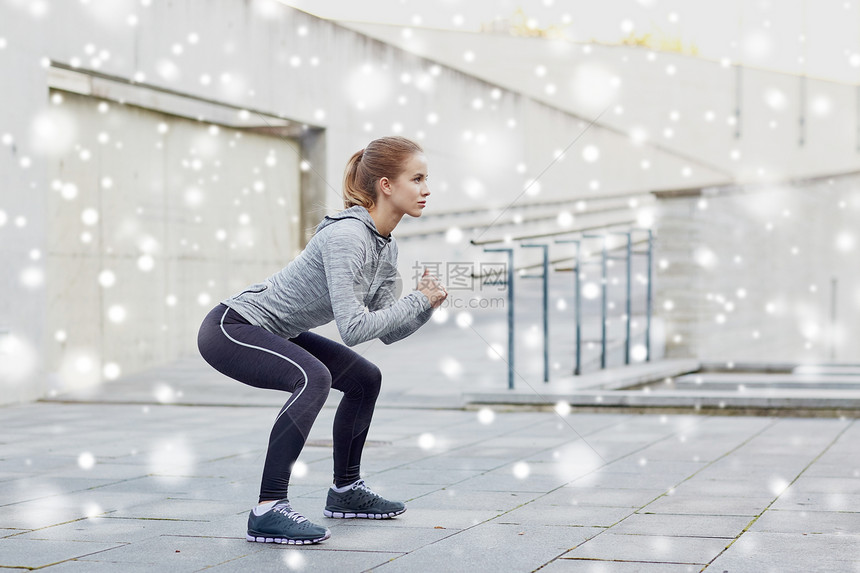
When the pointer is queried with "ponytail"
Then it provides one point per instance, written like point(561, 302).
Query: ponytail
point(353, 192)
point(383, 157)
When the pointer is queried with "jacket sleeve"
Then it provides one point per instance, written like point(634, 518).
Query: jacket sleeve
point(344, 263)
point(387, 296)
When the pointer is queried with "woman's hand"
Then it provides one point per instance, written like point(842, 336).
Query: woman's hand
point(431, 287)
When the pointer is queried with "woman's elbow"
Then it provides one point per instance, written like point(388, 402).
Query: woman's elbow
point(351, 340)
point(351, 336)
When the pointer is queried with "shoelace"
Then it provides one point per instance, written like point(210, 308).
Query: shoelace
point(363, 486)
point(288, 511)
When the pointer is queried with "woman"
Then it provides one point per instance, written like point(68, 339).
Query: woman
point(347, 272)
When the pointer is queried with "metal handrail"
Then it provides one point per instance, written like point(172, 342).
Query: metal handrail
point(579, 262)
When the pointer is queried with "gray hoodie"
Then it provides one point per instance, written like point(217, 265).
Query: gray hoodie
point(347, 272)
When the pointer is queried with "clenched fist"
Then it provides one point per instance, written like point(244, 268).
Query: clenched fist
point(431, 287)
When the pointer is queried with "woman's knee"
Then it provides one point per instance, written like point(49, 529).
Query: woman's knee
point(318, 377)
point(361, 380)
point(372, 379)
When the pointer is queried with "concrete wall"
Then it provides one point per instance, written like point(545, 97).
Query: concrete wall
point(168, 214)
point(697, 103)
point(243, 65)
point(206, 61)
point(682, 104)
point(745, 273)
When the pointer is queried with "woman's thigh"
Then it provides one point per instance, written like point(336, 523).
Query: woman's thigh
point(345, 364)
point(255, 356)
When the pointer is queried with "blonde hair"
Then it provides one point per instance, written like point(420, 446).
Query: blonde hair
point(383, 157)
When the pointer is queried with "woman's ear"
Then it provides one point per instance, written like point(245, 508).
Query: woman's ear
point(385, 186)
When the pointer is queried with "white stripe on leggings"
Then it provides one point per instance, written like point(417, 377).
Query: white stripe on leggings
point(305, 374)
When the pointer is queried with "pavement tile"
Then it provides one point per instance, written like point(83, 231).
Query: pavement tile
point(435, 518)
point(641, 464)
point(505, 480)
point(603, 496)
point(33, 553)
point(629, 435)
point(460, 462)
point(302, 495)
point(751, 486)
point(40, 513)
point(411, 475)
point(696, 452)
point(768, 563)
point(128, 530)
point(106, 470)
point(386, 535)
point(41, 487)
point(504, 454)
point(564, 565)
point(814, 484)
point(456, 499)
point(740, 471)
point(612, 480)
point(501, 548)
point(562, 435)
point(539, 513)
point(698, 505)
point(780, 552)
point(246, 490)
point(273, 557)
point(98, 502)
point(842, 452)
point(819, 501)
point(653, 548)
point(7, 476)
point(767, 458)
point(90, 566)
point(807, 522)
point(609, 452)
point(175, 551)
point(788, 445)
point(170, 485)
point(725, 526)
point(832, 468)
point(178, 508)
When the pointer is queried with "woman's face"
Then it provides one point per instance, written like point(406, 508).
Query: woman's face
point(409, 191)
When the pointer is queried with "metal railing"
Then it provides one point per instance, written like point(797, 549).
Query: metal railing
point(580, 259)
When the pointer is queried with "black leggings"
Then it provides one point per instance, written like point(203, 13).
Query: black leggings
point(308, 366)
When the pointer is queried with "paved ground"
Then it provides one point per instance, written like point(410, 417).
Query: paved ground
point(102, 485)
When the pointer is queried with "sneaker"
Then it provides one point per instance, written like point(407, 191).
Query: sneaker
point(360, 501)
point(281, 524)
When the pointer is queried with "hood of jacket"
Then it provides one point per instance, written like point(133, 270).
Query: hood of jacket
point(360, 213)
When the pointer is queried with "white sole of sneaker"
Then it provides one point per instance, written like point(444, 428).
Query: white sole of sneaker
point(249, 537)
point(342, 515)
